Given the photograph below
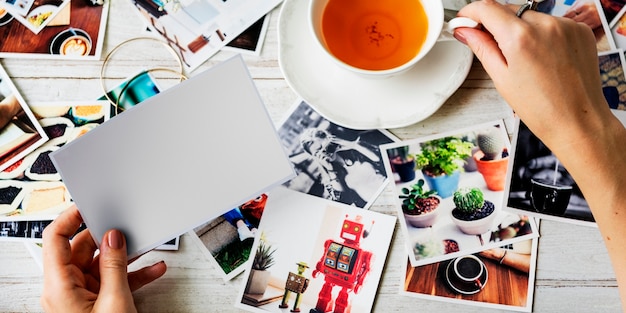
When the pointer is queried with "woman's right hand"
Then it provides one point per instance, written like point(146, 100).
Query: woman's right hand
point(545, 67)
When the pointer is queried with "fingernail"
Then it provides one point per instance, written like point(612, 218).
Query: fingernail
point(459, 36)
point(116, 239)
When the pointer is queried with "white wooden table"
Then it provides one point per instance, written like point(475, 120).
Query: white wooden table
point(574, 273)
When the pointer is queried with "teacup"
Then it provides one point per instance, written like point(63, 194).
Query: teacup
point(549, 198)
point(469, 269)
point(379, 39)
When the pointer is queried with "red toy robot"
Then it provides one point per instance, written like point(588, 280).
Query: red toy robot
point(344, 265)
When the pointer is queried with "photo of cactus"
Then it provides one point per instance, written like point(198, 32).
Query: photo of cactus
point(450, 193)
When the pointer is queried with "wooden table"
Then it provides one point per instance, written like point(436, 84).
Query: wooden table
point(573, 270)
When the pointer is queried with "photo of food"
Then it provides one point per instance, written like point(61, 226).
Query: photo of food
point(54, 29)
point(31, 188)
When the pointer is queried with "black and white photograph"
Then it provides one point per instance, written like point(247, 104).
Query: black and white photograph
point(23, 230)
point(331, 161)
point(541, 186)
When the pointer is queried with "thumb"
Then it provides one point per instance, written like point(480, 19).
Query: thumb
point(114, 285)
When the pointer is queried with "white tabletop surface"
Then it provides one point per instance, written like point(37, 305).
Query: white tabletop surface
point(574, 273)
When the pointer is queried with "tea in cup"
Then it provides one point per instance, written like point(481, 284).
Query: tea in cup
point(380, 38)
point(469, 269)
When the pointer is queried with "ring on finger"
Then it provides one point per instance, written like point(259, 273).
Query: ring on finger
point(529, 5)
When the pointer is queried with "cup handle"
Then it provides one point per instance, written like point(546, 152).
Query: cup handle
point(478, 283)
point(450, 26)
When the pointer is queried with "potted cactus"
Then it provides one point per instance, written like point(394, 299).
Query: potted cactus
point(492, 159)
point(402, 163)
point(419, 205)
point(472, 214)
point(259, 274)
point(441, 161)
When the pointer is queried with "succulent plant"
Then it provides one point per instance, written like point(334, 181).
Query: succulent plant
point(264, 257)
point(468, 200)
point(416, 198)
point(491, 143)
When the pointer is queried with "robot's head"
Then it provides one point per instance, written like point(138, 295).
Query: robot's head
point(352, 230)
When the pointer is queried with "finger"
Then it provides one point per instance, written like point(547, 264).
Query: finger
point(56, 236)
point(146, 275)
point(83, 249)
point(484, 42)
point(113, 265)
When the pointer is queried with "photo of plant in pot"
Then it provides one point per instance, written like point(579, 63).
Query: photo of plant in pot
point(402, 163)
point(492, 158)
point(441, 161)
point(472, 214)
point(419, 205)
point(425, 209)
point(259, 274)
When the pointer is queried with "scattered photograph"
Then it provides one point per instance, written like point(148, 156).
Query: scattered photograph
point(613, 11)
point(131, 91)
point(53, 29)
point(32, 188)
point(36, 15)
point(227, 240)
point(541, 186)
point(26, 230)
point(499, 278)
point(331, 161)
point(317, 257)
point(20, 133)
point(589, 12)
point(199, 29)
point(613, 79)
point(251, 40)
point(450, 193)
point(618, 28)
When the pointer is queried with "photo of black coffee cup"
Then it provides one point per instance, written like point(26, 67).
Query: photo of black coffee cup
point(466, 274)
point(549, 198)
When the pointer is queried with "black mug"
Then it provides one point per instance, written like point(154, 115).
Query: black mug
point(549, 198)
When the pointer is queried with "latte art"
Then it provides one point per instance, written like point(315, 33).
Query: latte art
point(75, 46)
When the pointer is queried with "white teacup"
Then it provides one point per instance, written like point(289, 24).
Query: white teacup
point(382, 39)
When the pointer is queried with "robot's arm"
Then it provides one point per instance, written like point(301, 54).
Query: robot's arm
point(364, 270)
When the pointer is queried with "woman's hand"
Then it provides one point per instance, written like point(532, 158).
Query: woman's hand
point(77, 281)
point(545, 67)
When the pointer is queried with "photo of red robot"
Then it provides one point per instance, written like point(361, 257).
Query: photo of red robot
point(344, 265)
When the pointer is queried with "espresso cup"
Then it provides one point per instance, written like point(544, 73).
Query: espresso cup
point(379, 39)
point(549, 198)
point(469, 269)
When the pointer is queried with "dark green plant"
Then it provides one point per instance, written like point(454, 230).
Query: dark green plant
point(264, 257)
point(443, 156)
point(468, 200)
point(411, 196)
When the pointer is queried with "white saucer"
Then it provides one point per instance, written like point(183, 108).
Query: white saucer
point(362, 103)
